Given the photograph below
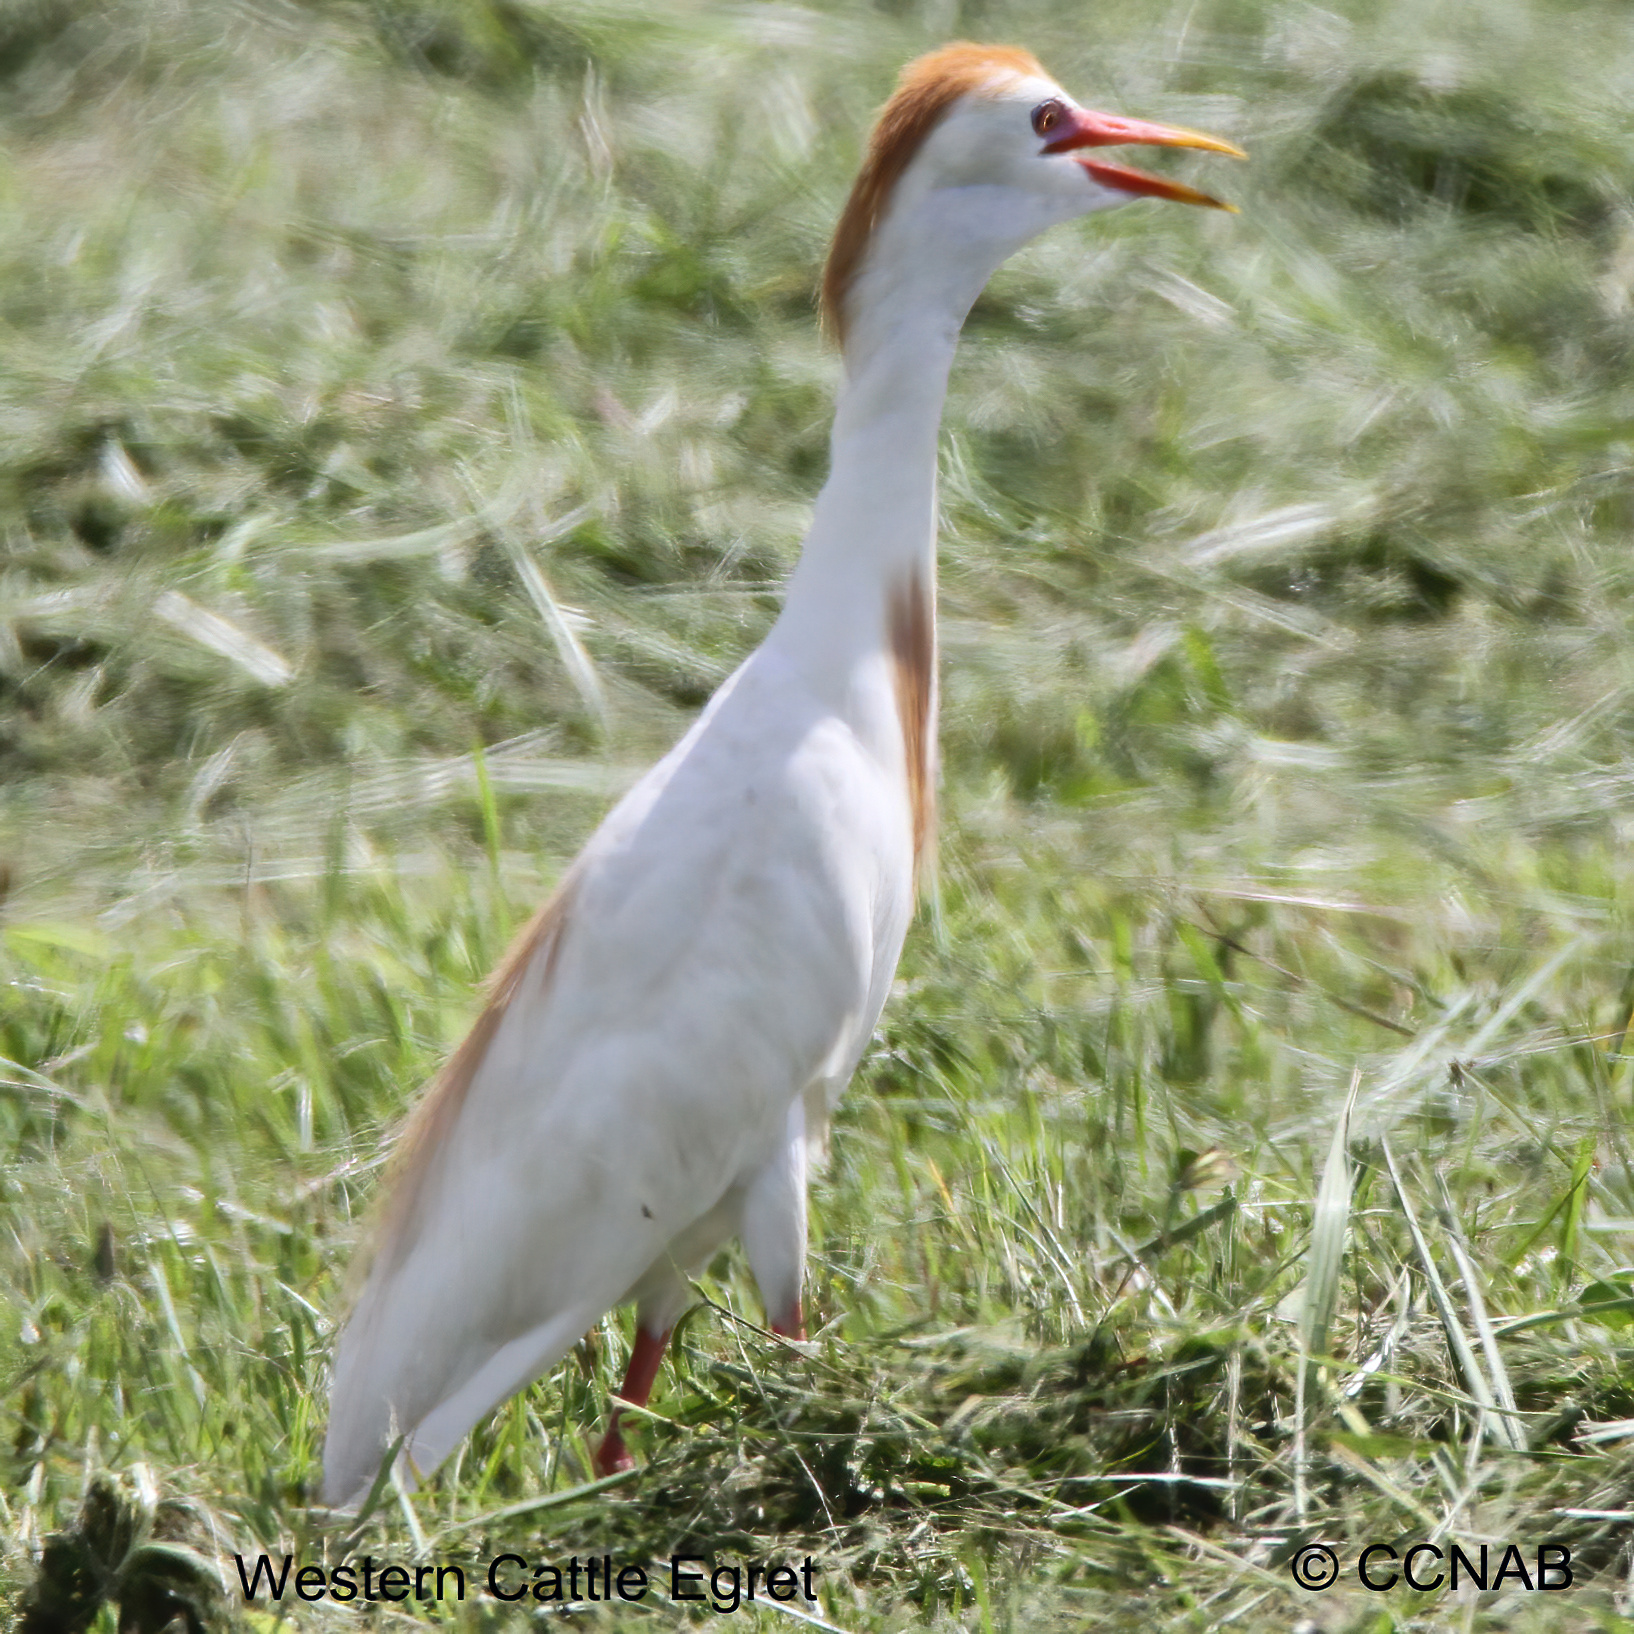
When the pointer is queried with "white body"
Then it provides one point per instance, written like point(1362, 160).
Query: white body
point(667, 1079)
point(658, 1075)
point(729, 937)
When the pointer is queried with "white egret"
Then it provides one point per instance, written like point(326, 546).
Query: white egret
point(664, 1045)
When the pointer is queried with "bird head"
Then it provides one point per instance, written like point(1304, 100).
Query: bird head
point(977, 152)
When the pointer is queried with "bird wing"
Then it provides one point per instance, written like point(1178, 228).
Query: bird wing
point(717, 948)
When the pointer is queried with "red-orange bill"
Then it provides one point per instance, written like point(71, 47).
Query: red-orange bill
point(1128, 180)
point(1084, 128)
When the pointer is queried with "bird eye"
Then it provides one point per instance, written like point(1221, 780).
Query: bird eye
point(1046, 116)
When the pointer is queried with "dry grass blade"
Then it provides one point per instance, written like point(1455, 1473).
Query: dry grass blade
point(1511, 1426)
point(1378, 1359)
point(405, 1505)
point(1330, 1225)
point(1492, 1423)
point(558, 624)
point(221, 635)
point(1274, 532)
point(1324, 1267)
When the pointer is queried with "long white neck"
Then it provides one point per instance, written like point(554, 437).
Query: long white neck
point(859, 620)
point(873, 534)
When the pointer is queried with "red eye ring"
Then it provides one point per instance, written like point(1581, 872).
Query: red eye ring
point(1046, 116)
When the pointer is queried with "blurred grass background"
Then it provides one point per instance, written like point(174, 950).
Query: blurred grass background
point(408, 411)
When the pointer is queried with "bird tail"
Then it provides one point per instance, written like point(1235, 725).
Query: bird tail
point(364, 1420)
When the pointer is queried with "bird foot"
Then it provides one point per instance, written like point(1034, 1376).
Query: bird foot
point(612, 1456)
point(792, 1326)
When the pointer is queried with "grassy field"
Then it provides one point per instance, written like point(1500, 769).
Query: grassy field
point(408, 411)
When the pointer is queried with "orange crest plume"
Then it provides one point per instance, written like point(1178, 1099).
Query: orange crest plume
point(926, 89)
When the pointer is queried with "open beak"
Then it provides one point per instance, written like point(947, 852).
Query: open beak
point(1085, 129)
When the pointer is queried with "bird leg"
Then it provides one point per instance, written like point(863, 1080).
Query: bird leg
point(791, 1326)
point(612, 1455)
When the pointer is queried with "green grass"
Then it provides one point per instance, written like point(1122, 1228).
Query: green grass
point(385, 382)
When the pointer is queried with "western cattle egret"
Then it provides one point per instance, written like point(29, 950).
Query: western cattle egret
point(664, 1044)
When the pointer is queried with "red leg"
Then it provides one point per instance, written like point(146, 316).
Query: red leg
point(794, 1327)
point(612, 1455)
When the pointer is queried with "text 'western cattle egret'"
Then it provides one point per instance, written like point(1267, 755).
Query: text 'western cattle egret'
point(667, 1039)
